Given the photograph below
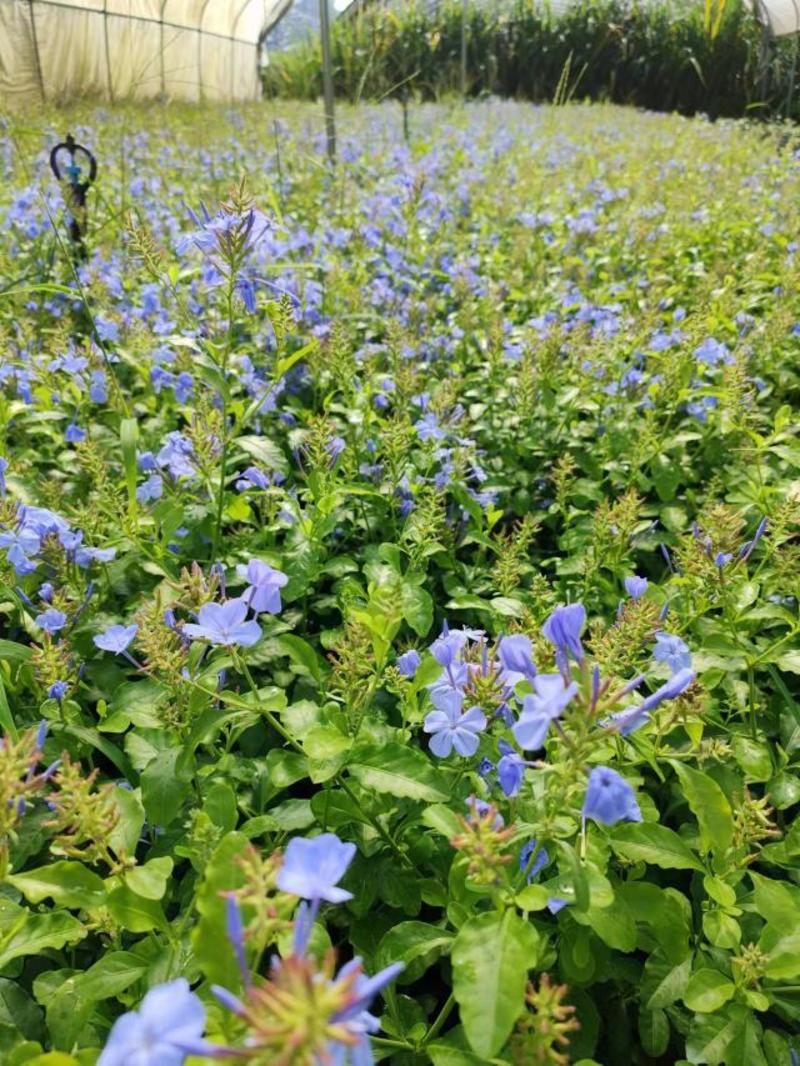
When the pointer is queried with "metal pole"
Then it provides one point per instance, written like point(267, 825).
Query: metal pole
point(108, 52)
point(464, 49)
point(36, 54)
point(327, 78)
point(793, 73)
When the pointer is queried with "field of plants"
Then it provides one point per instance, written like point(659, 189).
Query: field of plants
point(399, 577)
point(691, 56)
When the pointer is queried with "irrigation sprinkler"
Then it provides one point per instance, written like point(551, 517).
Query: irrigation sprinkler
point(74, 186)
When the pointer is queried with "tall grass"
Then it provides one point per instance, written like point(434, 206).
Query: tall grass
point(699, 55)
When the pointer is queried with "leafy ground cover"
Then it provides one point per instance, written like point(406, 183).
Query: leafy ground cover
point(399, 592)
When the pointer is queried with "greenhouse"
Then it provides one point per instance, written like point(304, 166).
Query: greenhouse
point(400, 532)
point(193, 50)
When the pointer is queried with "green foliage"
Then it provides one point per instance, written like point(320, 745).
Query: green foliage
point(676, 55)
point(512, 364)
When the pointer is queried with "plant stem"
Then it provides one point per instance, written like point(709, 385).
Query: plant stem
point(223, 369)
point(439, 1020)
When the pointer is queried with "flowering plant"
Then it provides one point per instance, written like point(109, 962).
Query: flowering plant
point(399, 594)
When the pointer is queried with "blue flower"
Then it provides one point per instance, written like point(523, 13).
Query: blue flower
point(253, 478)
point(224, 623)
point(516, 658)
point(747, 548)
point(85, 556)
point(632, 717)
point(564, 627)
point(636, 586)
point(539, 863)
point(152, 489)
point(445, 649)
point(116, 638)
point(98, 390)
point(428, 428)
point(58, 690)
point(334, 448)
point(174, 455)
point(20, 545)
point(73, 434)
point(671, 650)
point(355, 1018)
point(510, 769)
point(184, 386)
point(539, 710)
point(263, 591)
point(451, 729)
point(312, 868)
point(51, 620)
point(609, 798)
point(170, 1018)
point(408, 663)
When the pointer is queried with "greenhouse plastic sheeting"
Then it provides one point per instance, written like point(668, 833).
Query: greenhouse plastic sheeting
point(782, 16)
point(179, 49)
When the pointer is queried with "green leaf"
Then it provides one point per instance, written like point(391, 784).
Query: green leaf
point(745, 1048)
point(491, 956)
point(285, 364)
point(533, 898)
point(707, 990)
point(397, 771)
point(17, 1009)
point(110, 975)
point(790, 662)
point(12, 652)
point(754, 758)
point(508, 607)
point(665, 983)
point(614, 925)
point(150, 881)
point(33, 933)
point(213, 953)
point(442, 1055)
point(777, 903)
point(442, 819)
point(410, 941)
point(302, 654)
point(663, 913)
point(325, 742)
point(417, 607)
point(7, 723)
point(111, 751)
point(129, 435)
point(165, 786)
point(126, 833)
point(292, 815)
point(68, 884)
point(710, 807)
point(453, 1050)
point(783, 950)
point(265, 451)
point(220, 805)
point(722, 929)
point(714, 1037)
point(134, 912)
point(654, 1032)
point(654, 844)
